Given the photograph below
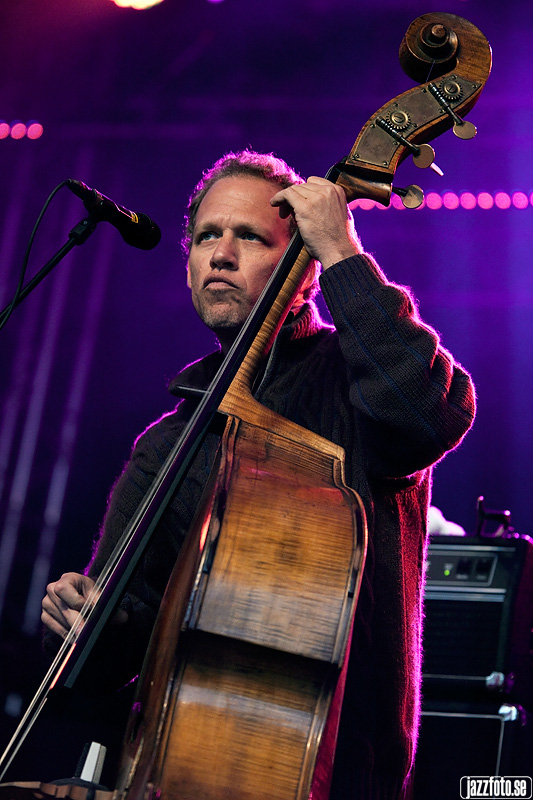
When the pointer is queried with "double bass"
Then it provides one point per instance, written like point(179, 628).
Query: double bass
point(253, 633)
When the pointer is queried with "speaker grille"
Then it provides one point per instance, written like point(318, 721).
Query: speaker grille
point(461, 638)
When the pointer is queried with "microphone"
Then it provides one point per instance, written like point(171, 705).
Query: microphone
point(137, 230)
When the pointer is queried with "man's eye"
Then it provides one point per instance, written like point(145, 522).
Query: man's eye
point(205, 236)
point(251, 237)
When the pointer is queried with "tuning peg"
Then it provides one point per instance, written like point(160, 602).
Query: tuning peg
point(412, 196)
point(424, 157)
point(423, 154)
point(462, 129)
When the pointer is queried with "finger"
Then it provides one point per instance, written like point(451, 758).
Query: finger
point(72, 590)
point(63, 600)
point(329, 188)
point(56, 615)
point(319, 181)
point(281, 199)
point(285, 209)
point(51, 609)
point(57, 607)
point(319, 192)
point(54, 625)
point(53, 617)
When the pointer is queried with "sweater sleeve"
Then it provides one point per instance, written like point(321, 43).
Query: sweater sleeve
point(415, 401)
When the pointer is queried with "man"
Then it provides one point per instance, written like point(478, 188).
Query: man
point(379, 384)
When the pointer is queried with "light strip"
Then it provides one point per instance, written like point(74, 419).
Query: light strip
point(433, 200)
point(21, 130)
point(451, 201)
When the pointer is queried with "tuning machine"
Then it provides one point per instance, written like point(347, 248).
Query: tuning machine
point(412, 196)
point(425, 157)
point(423, 154)
point(452, 90)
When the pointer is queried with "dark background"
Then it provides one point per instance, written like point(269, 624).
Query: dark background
point(137, 104)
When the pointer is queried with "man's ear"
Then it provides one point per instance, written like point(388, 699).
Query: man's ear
point(188, 276)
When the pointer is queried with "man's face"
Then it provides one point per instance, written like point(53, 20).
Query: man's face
point(237, 241)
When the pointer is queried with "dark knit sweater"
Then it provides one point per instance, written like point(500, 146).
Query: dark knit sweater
point(380, 385)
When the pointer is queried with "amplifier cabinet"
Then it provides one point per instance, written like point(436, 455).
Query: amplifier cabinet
point(457, 741)
point(478, 629)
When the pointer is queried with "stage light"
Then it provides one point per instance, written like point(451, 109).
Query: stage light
point(18, 130)
point(35, 130)
point(396, 202)
point(450, 200)
point(502, 200)
point(468, 200)
point(485, 200)
point(4, 129)
point(520, 200)
point(138, 5)
point(433, 201)
point(366, 204)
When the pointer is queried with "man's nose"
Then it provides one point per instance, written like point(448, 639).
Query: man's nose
point(225, 255)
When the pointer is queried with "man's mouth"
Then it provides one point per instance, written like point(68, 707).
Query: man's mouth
point(218, 282)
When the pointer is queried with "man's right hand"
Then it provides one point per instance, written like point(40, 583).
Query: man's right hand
point(63, 601)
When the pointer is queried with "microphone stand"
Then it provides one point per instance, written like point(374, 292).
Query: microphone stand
point(78, 235)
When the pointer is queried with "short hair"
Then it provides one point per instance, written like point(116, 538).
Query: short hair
point(265, 166)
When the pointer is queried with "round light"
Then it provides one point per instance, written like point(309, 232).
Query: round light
point(138, 5)
point(18, 130)
point(485, 200)
point(502, 200)
point(35, 130)
point(4, 129)
point(433, 201)
point(520, 200)
point(396, 202)
point(366, 204)
point(450, 200)
point(468, 200)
